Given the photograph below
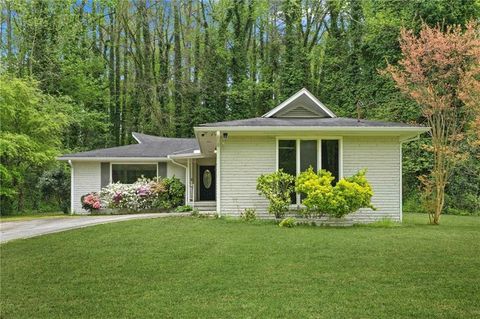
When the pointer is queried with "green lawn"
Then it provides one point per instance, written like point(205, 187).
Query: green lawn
point(206, 268)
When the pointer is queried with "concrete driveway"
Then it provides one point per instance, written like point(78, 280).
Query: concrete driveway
point(36, 227)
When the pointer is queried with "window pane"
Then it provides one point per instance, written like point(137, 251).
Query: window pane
point(287, 156)
point(130, 173)
point(308, 155)
point(330, 159)
point(287, 160)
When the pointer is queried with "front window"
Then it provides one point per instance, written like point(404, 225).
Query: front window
point(295, 156)
point(130, 173)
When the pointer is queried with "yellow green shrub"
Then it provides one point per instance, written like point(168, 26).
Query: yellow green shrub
point(323, 198)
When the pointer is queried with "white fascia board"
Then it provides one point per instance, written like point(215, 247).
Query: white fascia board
point(186, 156)
point(254, 129)
point(110, 159)
point(293, 98)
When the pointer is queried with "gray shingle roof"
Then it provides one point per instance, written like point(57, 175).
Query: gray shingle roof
point(321, 122)
point(149, 146)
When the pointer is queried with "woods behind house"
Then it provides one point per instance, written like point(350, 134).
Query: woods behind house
point(84, 74)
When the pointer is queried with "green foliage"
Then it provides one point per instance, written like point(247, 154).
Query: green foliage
point(288, 222)
point(195, 213)
point(120, 66)
point(276, 188)
point(332, 273)
point(183, 209)
point(383, 223)
point(294, 73)
point(347, 196)
point(249, 214)
point(173, 196)
point(32, 127)
point(54, 186)
point(145, 194)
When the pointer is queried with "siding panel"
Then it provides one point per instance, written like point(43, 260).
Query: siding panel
point(245, 158)
point(176, 170)
point(381, 157)
point(86, 178)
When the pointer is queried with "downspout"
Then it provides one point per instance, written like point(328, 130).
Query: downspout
point(187, 187)
point(217, 167)
point(71, 186)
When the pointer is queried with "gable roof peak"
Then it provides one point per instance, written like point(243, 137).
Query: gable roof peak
point(300, 99)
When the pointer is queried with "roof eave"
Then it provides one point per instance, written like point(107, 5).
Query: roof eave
point(399, 129)
point(113, 158)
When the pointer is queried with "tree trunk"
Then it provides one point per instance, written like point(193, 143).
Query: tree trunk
point(177, 71)
point(9, 35)
point(111, 74)
point(118, 32)
point(124, 112)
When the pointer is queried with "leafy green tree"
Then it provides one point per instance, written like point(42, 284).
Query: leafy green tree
point(439, 71)
point(54, 187)
point(277, 188)
point(162, 67)
point(32, 126)
point(294, 74)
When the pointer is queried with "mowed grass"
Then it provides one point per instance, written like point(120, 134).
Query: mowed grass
point(206, 268)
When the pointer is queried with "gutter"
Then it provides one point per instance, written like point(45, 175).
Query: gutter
point(72, 186)
point(112, 159)
point(176, 163)
point(254, 129)
point(410, 139)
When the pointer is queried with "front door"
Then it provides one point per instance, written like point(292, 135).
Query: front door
point(207, 182)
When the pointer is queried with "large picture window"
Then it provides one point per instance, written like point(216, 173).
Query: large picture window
point(130, 173)
point(295, 156)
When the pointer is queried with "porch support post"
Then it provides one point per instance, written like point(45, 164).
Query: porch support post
point(217, 167)
point(193, 190)
point(72, 187)
point(187, 183)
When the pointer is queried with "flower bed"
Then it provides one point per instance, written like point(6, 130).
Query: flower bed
point(144, 195)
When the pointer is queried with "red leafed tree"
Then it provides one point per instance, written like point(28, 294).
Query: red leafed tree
point(440, 70)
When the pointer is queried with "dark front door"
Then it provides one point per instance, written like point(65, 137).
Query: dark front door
point(207, 182)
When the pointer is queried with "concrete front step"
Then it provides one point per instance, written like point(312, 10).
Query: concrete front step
point(205, 206)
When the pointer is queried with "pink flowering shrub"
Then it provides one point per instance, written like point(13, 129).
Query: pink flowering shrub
point(91, 202)
point(164, 193)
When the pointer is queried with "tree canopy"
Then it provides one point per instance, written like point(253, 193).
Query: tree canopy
point(164, 66)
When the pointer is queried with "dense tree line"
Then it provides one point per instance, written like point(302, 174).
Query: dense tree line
point(164, 66)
